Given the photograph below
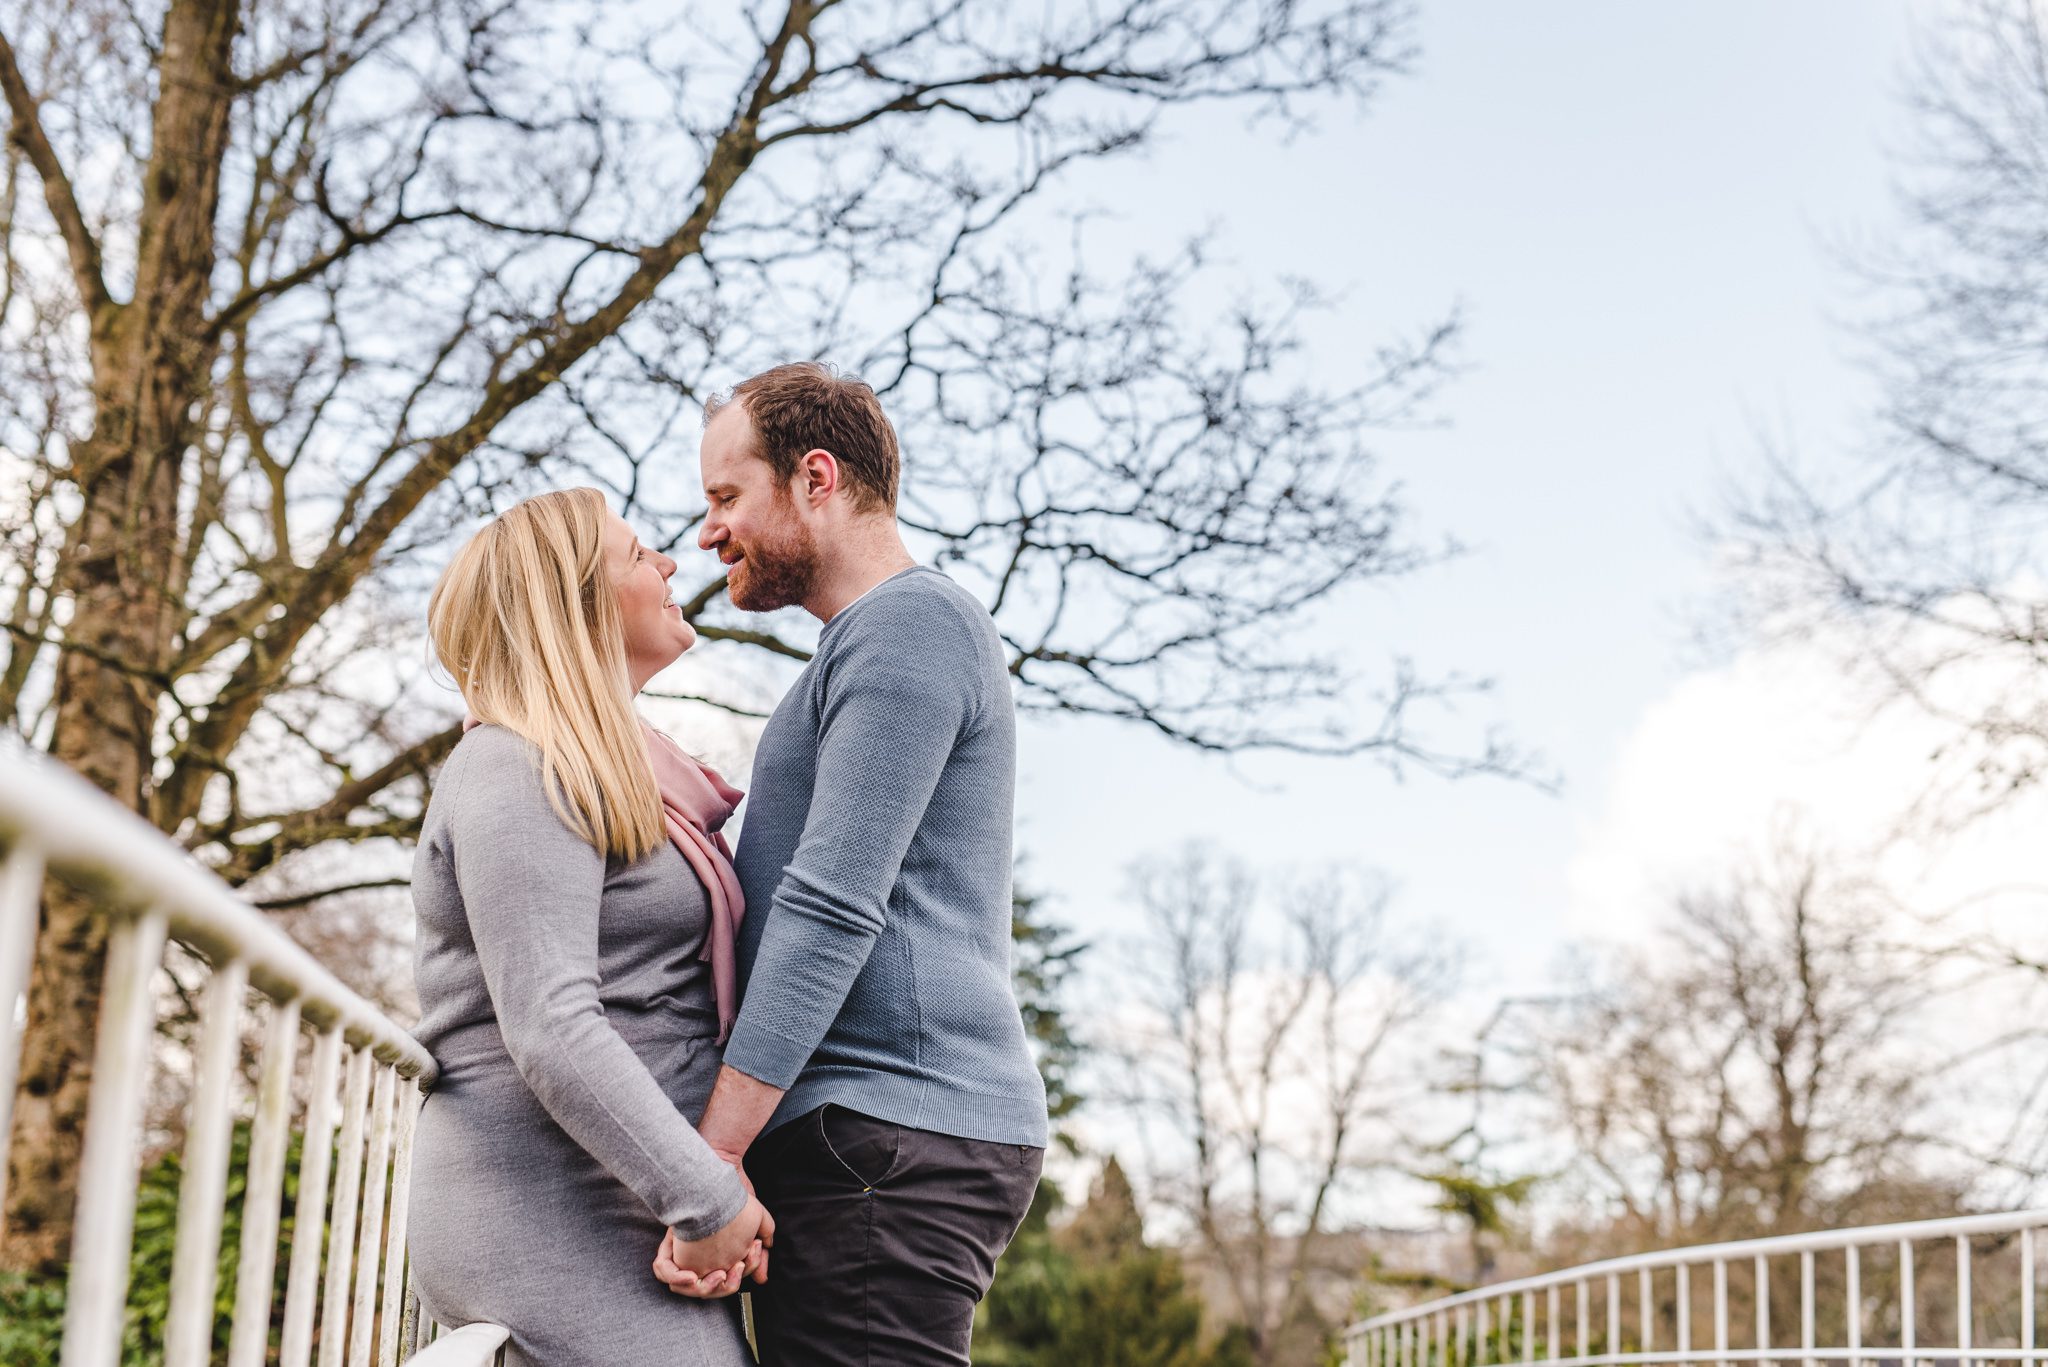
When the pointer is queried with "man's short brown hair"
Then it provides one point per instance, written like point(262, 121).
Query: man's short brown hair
point(807, 406)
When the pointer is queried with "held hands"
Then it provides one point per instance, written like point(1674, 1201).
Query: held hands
point(718, 1263)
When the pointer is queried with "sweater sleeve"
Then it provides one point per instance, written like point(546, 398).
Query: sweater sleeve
point(531, 889)
point(895, 701)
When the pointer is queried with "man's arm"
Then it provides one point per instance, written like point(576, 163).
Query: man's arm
point(895, 702)
point(739, 1108)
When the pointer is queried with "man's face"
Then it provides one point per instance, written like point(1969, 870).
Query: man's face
point(770, 554)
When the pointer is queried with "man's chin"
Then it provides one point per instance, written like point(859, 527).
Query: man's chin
point(751, 596)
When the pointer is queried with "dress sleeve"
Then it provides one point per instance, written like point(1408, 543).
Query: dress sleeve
point(531, 888)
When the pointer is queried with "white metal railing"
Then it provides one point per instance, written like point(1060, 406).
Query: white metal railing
point(1961, 1290)
point(345, 1297)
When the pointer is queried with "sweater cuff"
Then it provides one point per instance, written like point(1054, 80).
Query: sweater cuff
point(764, 1055)
point(731, 1200)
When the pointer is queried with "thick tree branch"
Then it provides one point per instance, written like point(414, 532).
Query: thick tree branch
point(331, 819)
point(351, 552)
point(26, 131)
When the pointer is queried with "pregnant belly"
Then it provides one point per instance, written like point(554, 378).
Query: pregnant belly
point(496, 1186)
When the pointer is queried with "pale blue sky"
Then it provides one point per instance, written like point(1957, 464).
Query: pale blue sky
point(1636, 204)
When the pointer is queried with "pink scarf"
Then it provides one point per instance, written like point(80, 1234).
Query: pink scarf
point(695, 804)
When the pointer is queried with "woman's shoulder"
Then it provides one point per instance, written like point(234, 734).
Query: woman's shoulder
point(490, 765)
point(488, 746)
point(490, 795)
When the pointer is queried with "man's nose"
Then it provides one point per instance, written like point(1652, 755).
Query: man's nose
point(710, 534)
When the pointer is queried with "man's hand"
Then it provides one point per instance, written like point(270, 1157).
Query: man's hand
point(716, 1264)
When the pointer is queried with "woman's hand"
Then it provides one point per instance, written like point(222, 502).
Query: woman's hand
point(712, 1285)
point(717, 1264)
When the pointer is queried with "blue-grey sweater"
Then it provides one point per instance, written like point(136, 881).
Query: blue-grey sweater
point(874, 958)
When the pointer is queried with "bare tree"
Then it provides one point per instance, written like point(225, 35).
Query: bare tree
point(1783, 1060)
point(1262, 1055)
point(1921, 558)
point(291, 293)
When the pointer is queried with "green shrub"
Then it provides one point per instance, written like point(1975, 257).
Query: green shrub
point(32, 1309)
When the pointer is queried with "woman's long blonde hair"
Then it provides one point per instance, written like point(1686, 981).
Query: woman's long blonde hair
point(526, 619)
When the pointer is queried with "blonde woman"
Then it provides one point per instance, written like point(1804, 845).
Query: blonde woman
point(576, 911)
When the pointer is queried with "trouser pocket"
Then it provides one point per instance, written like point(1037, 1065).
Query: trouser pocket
point(869, 1149)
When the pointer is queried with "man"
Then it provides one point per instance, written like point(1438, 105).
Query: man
point(877, 1079)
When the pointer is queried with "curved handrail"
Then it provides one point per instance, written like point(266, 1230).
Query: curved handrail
point(83, 834)
point(473, 1345)
point(1696, 1255)
point(363, 1084)
point(1526, 1322)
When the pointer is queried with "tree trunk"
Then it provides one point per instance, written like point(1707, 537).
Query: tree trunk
point(151, 369)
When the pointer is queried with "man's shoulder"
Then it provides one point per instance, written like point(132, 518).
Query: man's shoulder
point(920, 605)
point(919, 633)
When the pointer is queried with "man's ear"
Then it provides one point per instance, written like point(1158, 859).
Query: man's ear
point(818, 474)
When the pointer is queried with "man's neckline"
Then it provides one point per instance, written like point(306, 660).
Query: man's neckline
point(864, 593)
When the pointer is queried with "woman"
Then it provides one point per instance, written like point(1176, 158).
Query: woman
point(568, 904)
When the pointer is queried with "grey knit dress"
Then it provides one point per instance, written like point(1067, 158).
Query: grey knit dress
point(574, 1026)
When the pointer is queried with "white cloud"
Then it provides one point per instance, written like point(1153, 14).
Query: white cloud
point(1780, 742)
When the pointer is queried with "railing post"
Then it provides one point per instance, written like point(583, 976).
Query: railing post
point(1684, 1310)
point(1614, 1314)
point(363, 1320)
point(1806, 1329)
point(1646, 1312)
point(2027, 1290)
point(1906, 1303)
point(1763, 1309)
point(396, 1272)
point(348, 1183)
point(202, 1185)
point(1721, 1310)
point(1964, 1312)
point(249, 1340)
point(1852, 1273)
point(104, 1229)
point(316, 1158)
point(21, 892)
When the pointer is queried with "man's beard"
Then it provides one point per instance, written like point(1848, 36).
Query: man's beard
point(780, 569)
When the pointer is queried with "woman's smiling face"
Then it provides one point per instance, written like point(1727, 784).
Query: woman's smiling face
point(656, 633)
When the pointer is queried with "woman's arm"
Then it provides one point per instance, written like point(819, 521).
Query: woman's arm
point(530, 889)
